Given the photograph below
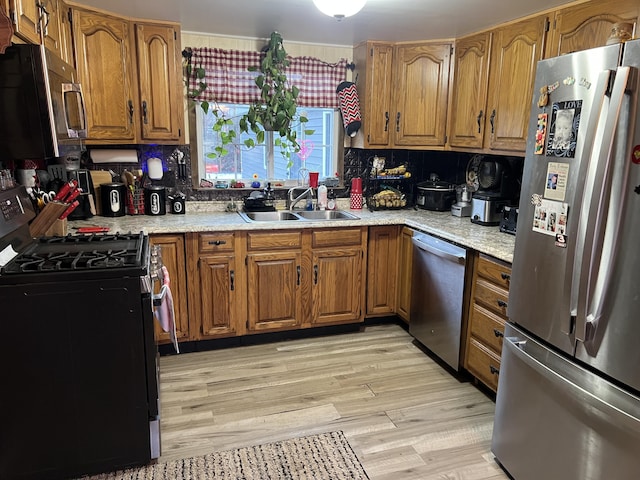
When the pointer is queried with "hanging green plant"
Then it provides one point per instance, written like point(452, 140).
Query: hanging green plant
point(275, 111)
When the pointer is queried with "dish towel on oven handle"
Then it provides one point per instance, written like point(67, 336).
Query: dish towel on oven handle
point(164, 312)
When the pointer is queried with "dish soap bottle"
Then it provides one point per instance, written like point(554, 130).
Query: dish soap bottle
point(322, 197)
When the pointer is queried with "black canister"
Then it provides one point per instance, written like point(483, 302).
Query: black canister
point(155, 198)
point(177, 203)
point(113, 197)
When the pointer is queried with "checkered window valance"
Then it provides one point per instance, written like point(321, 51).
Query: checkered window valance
point(229, 81)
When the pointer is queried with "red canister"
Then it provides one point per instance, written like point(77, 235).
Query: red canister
point(356, 194)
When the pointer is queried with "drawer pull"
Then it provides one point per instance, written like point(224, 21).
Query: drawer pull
point(505, 276)
point(217, 242)
point(494, 370)
point(502, 304)
point(498, 333)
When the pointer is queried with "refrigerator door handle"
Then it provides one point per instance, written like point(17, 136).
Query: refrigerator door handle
point(618, 416)
point(596, 199)
point(605, 253)
point(579, 255)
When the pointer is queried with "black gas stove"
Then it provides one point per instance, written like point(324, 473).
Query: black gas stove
point(81, 396)
point(92, 255)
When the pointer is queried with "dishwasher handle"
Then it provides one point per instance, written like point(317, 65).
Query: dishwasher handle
point(448, 255)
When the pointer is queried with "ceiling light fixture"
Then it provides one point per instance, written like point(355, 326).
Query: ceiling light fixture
point(339, 8)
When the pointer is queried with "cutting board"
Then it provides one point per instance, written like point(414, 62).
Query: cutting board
point(99, 177)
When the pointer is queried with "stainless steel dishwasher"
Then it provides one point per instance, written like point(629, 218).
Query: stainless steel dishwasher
point(437, 293)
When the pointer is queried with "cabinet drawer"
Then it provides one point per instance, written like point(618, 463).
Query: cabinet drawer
point(491, 296)
point(483, 364)
point(495, 272)
point(337, 237)
point(487, 327)
point(216, 242)
point(274, 240)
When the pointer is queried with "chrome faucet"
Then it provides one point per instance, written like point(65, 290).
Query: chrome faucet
point(292, 200)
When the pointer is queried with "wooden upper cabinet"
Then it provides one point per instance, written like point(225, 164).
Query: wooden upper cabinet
point(159, 82)
point(421, 85)
point(56, 31)
point(589, 25)
point(25, 16)
point(378, 95)
point(105, 68)
point(515, 52)
point(131, 77)
point(373, 72)
point(469, 91)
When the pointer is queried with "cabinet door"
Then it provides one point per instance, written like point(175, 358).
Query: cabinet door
point(514, 55)
point(336, 290)
point(589, 25)
point(382, 268)
point(217, 295)
point(26, 18)
point(105, 67)
point(374, 86)
point(173, 257)
point(52, 27)
point(421, 83)
point(159, 82)
point(469, 91)
point(405, 259)
point(274, 290)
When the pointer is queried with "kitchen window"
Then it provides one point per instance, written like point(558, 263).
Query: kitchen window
point(230, 85)
point(319, 152)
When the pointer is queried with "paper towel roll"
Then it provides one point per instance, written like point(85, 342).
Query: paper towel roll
point(114, 156)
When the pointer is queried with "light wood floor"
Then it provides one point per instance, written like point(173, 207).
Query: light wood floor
point(403, 414)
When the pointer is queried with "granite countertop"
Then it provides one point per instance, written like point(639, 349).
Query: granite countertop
point(207, 216)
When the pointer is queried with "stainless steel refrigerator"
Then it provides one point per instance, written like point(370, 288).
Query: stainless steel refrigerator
point(568, 401)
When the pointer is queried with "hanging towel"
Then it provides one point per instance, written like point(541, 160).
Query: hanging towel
point(165, 313)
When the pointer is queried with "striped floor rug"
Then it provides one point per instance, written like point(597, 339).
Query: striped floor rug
point(326, 456)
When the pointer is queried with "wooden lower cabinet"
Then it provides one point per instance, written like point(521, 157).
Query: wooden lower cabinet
point(275, 294)
point(405, 265)
point(215, 285)
point(303, 278)
point(487, 316)
point(382, 270)
point(173, 257)
point(338, 275)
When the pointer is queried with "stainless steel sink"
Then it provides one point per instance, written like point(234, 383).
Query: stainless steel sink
point(279, 216)
point(327, 215)
point(286, 216)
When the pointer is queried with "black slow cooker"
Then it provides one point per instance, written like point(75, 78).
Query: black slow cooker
point(435, 195)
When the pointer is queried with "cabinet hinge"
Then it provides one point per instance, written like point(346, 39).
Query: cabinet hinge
point(246, 261)
point(547, 25)
point(371, 52)
point(70, 16)
point(451, 49)
point(12, 15)
point(175, 35)
point(247, 324)
point(446, 139)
